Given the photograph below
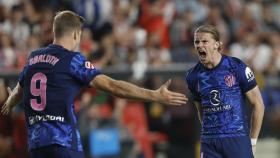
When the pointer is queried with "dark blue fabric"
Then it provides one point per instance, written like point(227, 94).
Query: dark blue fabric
point(79, 70)
point(221, 92)
point(55, 151)
point(65, 73)
point(236, 147)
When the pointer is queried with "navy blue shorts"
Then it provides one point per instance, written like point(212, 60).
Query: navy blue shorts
point(236, 147)
point(55, 151)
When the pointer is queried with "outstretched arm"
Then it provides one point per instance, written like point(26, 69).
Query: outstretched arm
point(130, 91)
point(255, 99)
point(13, 99)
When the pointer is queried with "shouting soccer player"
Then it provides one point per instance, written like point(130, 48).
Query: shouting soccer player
point(49, 82)
point(219, 85)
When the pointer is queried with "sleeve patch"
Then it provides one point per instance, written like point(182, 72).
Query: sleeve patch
point(89, 65)
point(249, 74)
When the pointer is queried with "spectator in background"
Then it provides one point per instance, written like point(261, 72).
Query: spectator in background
point(46, 26)
point(158, 56)
point(7, 52)
point(255, 7)
point(33, 42)
point(5, 126)
point(103, 54)
point(275, 6)
point(13, 133)
point(98, 15)
point(32, 17)
point(181, 38)
point(273, 66)
point(155, 17)
point(246, 24)
point(199, 9)
point(96, 12)
point(252, 50)
point(272, 83)
point(215, 18)
point(123, 34)
point(152, 18)
point(9, 4)
point(16, 27)
point(87, 46)
point(141, 60)
point(3, 14)
point(130, 39)
point(268, 21)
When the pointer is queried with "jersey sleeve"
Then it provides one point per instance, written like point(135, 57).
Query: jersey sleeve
point(83, 70)
point(192, 86)
point(246, 77)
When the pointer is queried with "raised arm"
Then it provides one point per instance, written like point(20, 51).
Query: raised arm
point(130, 91)
point(255, 99)
point(14, 98)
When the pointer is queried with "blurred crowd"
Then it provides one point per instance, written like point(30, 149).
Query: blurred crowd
point(137, 35)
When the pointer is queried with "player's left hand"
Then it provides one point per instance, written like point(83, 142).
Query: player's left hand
point(170, 97)
point(5, 108)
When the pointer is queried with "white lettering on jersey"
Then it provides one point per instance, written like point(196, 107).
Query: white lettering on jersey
point(249, 74)
point(38, 118)
point(89, 65)
point(217, 109)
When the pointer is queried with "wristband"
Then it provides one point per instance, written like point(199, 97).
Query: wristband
point(254, 141)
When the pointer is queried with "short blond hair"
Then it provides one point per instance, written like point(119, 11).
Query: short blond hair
point(66, 22)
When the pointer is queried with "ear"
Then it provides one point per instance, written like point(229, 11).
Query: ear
point(217, 45)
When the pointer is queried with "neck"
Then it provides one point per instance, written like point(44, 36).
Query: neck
point(65, 42)
point(216, 59)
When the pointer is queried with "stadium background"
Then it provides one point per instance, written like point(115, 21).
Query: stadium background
point(144, 42)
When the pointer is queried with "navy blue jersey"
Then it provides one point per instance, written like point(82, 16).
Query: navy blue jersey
point(221, 93)
point(51, 79)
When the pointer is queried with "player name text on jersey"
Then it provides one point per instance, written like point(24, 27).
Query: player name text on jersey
point(43, 59)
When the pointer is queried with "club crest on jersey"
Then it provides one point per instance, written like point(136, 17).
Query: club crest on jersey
point(230, 80)
point(89, 65)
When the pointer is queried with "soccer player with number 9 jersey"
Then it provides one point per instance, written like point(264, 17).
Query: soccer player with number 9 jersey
point(49, 82)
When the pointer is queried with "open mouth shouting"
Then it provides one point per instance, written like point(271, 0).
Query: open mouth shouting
point(202, 55)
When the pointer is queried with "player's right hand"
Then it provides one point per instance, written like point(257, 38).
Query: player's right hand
point(169, 97)
point(5, 108)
